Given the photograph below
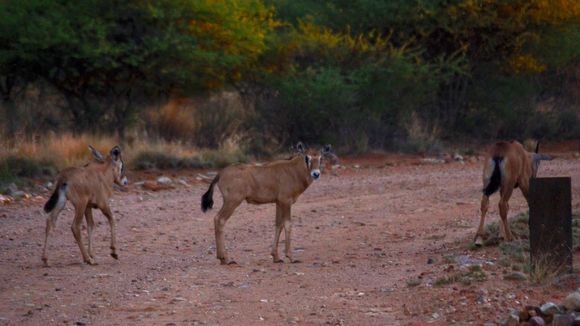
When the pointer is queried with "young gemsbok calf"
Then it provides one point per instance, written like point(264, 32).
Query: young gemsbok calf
point(507, 166)
point(87, 187)
point(279, 182)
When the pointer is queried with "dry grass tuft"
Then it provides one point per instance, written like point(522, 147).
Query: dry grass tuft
point(544, 270)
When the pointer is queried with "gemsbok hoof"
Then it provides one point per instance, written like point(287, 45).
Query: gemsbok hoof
point(278, 261)
point(91, 262)
point(228, 262)
point(295, 261)
point(478, 241)
point(114, 255)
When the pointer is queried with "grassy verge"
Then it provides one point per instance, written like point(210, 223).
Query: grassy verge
point(515, 255)
point(474, 273)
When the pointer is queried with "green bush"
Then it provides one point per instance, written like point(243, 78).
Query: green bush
point(157, 160)
point(14, 167)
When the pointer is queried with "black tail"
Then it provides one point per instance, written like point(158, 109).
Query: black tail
point(538, 146)
point(207, 198)
point(495, 180)
point(51, 203)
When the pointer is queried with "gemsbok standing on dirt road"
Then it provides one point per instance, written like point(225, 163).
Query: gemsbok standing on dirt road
point(87, 187)
point(507, 166)
point(279, 182)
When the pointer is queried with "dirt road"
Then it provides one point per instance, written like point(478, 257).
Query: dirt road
point(373, 242)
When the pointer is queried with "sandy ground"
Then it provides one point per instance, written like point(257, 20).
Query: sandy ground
point(373, 240)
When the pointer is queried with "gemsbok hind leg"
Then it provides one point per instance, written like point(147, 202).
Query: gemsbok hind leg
point(506, 193)
point(50, 224)
point(113, 226)
point(480, 230)
point(76, 230)
point(219, 223)
point(277, 230)
point(90, 227)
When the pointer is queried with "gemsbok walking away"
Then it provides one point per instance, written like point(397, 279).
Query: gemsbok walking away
point(279, 182)
point(507, 166)
point(87, 187)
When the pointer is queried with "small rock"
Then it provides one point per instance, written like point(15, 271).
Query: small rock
point(537, 321)
point(5, 200)
point(177, 299)
point(430, 261)
point(183, 182)
point(572, 301)
point(516, 276)
point(19, 194)
point(163, 180)
point(12, 188)
point(549, 308)
point(293, 320)
point(432, 161)
point(457, 157)
point(80, 323)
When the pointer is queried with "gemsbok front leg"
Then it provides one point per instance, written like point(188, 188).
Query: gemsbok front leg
point(90, 228)
point(277, 231)
point(113, 227)
point(76, 230)
point(288, 234)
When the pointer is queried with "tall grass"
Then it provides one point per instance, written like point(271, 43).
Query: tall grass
point(38, 157)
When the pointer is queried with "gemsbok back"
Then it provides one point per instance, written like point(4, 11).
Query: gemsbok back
point(280, 182)
point(87, 187)
point(507, 166)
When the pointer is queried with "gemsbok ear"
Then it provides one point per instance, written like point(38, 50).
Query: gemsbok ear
point(300, 147)
point(96, 154)
point(115, 153)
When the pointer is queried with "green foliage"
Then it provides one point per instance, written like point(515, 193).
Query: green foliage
point(359, 73)
point(107, 57)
